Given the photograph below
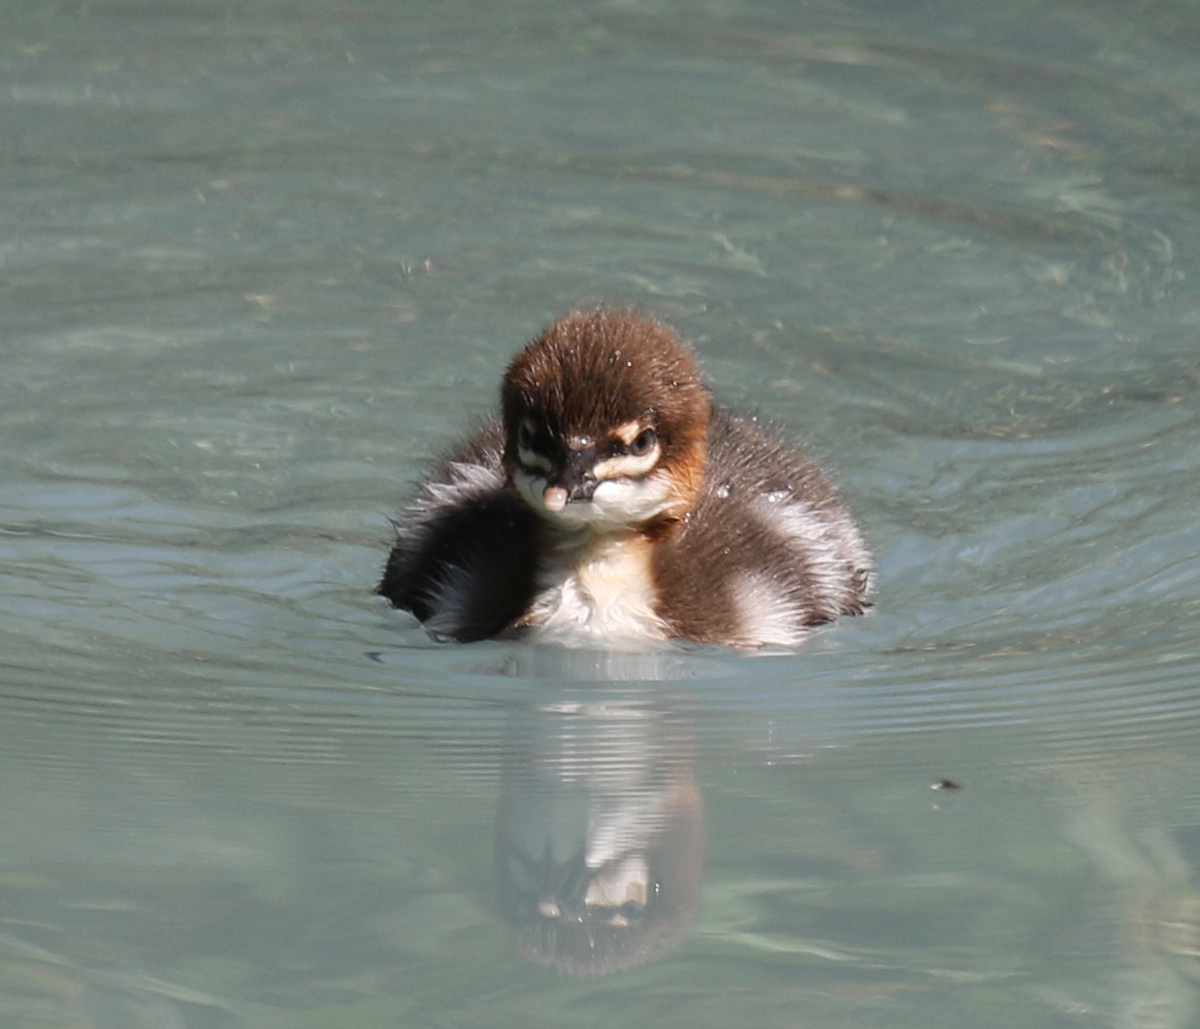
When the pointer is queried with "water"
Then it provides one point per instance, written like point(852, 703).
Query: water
point(260, 261)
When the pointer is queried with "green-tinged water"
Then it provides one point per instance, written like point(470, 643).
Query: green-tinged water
point(260, 260)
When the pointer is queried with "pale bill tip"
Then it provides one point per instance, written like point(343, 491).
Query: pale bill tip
point(554, 498)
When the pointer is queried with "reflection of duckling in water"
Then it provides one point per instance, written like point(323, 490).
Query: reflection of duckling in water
point(614, 501)
point(1149, 895)
point(599, 840)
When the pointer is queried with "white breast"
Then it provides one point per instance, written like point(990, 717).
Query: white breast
point(605, 595)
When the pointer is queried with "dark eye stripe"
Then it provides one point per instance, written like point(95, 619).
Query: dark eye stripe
point(529, 435)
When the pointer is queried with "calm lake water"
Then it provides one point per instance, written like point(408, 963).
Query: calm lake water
point(261, 260)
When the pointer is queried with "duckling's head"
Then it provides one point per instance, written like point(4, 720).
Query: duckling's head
point(605, 420)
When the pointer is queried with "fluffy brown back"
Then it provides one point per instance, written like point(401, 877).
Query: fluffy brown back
point(768, 515)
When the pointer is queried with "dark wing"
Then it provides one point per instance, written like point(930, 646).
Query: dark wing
point(464, 558)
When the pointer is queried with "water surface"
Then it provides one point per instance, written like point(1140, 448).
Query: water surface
point(261, 261)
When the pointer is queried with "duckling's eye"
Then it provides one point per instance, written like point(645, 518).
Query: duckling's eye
point(525, 435)
point(643, 443)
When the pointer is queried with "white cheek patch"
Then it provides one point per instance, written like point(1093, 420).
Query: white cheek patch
point(627, 465)
point(617, 502)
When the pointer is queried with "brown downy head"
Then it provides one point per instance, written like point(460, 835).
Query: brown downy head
point(605, 418)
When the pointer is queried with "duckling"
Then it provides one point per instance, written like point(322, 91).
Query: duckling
point(613, 502)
